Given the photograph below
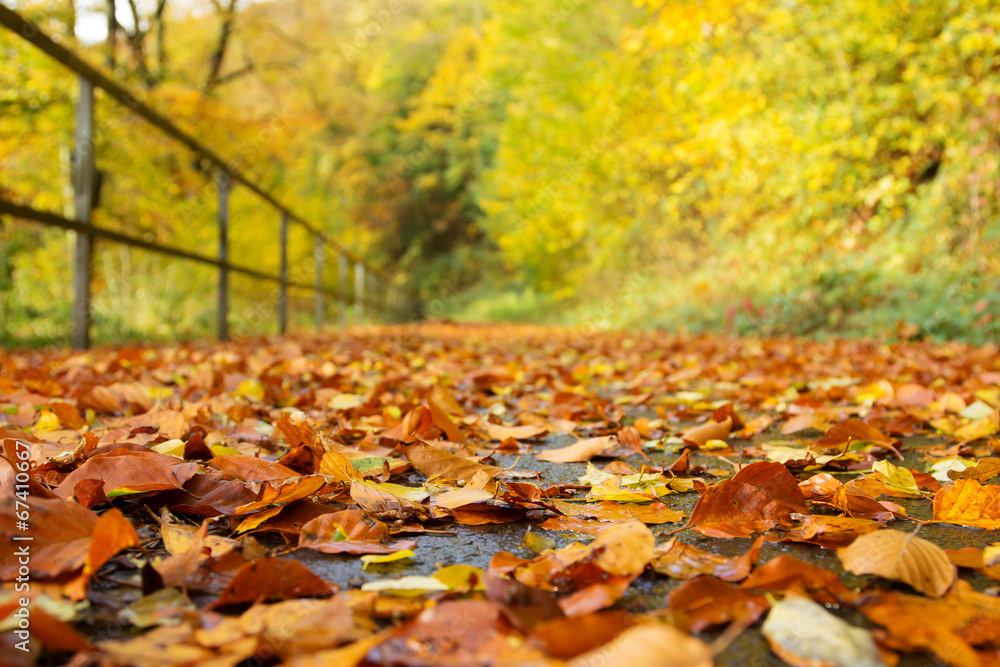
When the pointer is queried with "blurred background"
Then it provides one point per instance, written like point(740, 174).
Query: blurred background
point(759, 167)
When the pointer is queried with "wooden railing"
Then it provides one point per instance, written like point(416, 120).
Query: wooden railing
point(372, 288)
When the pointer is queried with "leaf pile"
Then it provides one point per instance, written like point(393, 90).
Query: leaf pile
point(185, 501)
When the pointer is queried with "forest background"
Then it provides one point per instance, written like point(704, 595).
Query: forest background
point(759, 167)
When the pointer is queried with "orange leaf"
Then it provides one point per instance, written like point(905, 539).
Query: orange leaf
point(583, 450)
point(968, 503)
point(852, 430)
point(711, 430)
point(112, 533)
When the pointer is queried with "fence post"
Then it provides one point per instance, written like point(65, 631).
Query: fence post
point(283, 290)
point(359, 291)
point(342, 288)
point(223, 220)
point(83, 190)
point(318, 256)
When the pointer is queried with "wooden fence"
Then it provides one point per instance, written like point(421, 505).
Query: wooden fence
point(372, 288)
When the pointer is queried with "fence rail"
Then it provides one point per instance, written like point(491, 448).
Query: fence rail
point(380, 295)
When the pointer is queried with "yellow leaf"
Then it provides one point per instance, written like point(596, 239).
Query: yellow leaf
point(461, 577)
point(374, 559)
point(47, 421)
point(170, 447)
point(251, 388)
point(897, 478)
point(406, 586)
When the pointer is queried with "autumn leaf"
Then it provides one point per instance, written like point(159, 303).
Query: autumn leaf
point(784, 572)
point(684, 561)
point(802, 632)
point(624, 549)
point(249, 468)
point(901, 556)
point(757, 498)
point(270, 579)
point(852, 430)
point(710, 430)
point(126, 472)
point(582, 450)
point(968, 503)
point(349, 531)
point(983, 471)
point(437, 463)
point(499, 432)
point(283, 492)
point(649, 645)
point(704, 602)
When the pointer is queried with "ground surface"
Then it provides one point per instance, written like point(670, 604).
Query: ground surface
point(204, 504)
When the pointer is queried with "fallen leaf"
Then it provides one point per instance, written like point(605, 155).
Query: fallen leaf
point(704, 602)
point(437, 463)
point(648, 645)
point(710, 430)
point(349, 531)
point(273, 579)
point(968, 503)
point(903, 557)
point(803, 633)
point(500, 433)
point(757, 498)
point(852, 430)
point(583, 450)
point(124, 472)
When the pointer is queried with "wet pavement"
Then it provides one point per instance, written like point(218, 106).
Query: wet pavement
point(476, 545)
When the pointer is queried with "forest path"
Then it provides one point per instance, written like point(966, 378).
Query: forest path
point(478, 462)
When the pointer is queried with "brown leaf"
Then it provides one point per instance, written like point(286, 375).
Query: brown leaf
point(705, 601)
point(127, 472)
point(982, 472)
point(684, 561)
point(624, 549)
point(273, 579)
point(564, 638)
point(112, 533)
point(443, 422)
point(349, 531)
point(948, 626)
point(901, 556)
point(456, 632)
point(852, 430)
point(283, 492)
point(437, 463)
point(784, 572)
point(250, 468)
point(757, 498)
point(90, 493)
point(60, 532)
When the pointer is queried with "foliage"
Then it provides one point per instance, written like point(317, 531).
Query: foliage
point(358, 498)
point(762, 166)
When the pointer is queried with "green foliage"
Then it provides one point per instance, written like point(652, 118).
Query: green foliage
point(763, 167)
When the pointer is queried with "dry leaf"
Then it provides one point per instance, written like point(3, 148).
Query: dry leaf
point(904, 557)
